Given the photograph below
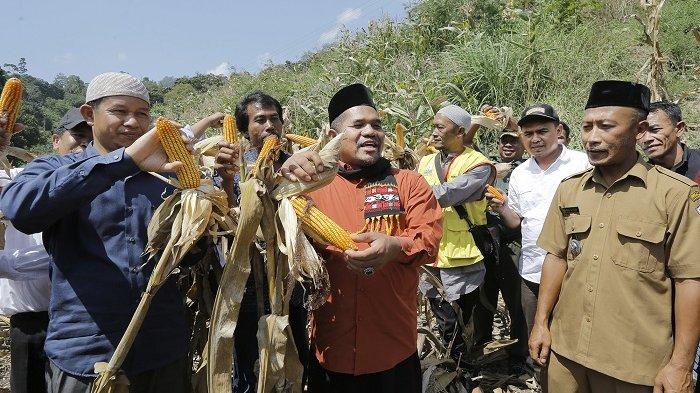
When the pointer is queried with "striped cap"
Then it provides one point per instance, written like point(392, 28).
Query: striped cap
point(116, 84)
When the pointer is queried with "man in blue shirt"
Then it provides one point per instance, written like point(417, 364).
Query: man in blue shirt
point(93, 208)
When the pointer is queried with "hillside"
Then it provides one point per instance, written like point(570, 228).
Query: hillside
point(469, 52)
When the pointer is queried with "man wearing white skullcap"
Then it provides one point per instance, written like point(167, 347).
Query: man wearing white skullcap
point(458, 175)
point(93, 208)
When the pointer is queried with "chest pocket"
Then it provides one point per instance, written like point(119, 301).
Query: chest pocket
point(640, 244)
point(577, 228)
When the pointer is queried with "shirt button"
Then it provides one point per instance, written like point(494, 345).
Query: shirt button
point(595, 257)
point(81, 173)
point(131, 239)
point(134, 269)
point(588, 319)
point(116, 157)
point(590, 289)
point(129, 208)
point(639, 234)
point(608, 195)
point(601, 225)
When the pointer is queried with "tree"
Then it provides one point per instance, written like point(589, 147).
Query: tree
point(19, 68)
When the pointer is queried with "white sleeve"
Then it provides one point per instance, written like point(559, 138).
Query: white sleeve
point(514, 196)
point(26, 264)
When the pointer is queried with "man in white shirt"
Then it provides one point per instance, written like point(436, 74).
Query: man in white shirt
point(24, 274)
point(531, 189)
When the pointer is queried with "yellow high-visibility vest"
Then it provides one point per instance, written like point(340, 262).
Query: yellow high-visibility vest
point(457, 247)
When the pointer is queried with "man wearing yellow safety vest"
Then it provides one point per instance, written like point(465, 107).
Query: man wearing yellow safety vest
point(458, 176)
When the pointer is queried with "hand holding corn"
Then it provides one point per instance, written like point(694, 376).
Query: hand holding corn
point(149, 155)
point(227, 161)
point(304, 166)
point(495, 197)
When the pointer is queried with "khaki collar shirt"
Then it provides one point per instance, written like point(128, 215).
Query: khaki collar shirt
point(623, 245)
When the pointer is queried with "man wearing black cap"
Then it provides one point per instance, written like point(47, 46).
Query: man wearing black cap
point(530, 190)
point(364, 337)
point(72, 134)
point(620, 267)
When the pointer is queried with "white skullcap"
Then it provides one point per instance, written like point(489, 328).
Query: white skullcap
point(116, 84)
point(458, 115)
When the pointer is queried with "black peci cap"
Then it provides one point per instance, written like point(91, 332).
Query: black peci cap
point(348, 97)
point(619, 93)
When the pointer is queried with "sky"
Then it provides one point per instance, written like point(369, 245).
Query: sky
point(162, 38)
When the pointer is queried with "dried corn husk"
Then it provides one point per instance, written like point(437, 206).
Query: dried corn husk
point(402, 158)
point(231, 288)
point(489, 121)
point(329, 155)
point(280, 368)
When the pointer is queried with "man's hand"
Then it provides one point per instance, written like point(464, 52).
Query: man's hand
point(226, 161)
point(382, 250)
point(674, 378)
point(540, 343)
point(304, 166)
point(5, 136)
point(496, 204)
point(149, 155)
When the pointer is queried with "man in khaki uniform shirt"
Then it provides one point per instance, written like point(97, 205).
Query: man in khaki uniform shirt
point(620, 280)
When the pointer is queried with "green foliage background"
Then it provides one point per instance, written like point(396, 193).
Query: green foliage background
point(468, 52)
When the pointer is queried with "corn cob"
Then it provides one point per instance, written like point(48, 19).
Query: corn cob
point(301, 140)
point(268, 144)
point(9, 102)
point(431, 149)
point(230, 132)
point(495, 192)
point(492, 113)
point(318, 225)
point(174, 147)
point(400, 136)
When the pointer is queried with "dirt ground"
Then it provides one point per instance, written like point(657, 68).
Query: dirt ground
point(4, 358)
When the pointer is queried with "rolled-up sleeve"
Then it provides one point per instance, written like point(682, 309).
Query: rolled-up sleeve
point(52, 187)
point(420, 239)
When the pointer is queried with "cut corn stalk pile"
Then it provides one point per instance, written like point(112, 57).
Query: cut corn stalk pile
point(10, 102)
point(195, 210)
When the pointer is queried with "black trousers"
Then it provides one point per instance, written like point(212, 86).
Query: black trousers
point(502, 275)
point(27, 357)
point(172, 378)
point(405, 377)
point(447, 320)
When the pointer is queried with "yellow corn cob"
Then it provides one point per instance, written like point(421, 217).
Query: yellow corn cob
point(230, 132)
point(431, 149)
point(301, 140)
point(10, 99)
point(318, 225)
point(400, 138)
point(174, 147)
point(269, 143)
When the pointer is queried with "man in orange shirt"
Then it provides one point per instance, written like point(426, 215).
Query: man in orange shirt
point(364, 336)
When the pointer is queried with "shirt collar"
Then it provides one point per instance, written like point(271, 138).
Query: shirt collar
point(639, 170)
point(90, 150)
point(684, 158)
